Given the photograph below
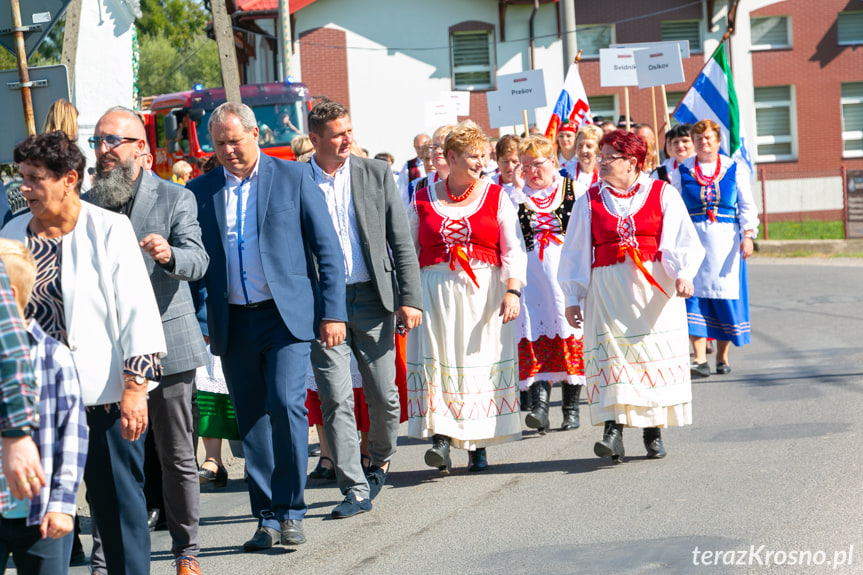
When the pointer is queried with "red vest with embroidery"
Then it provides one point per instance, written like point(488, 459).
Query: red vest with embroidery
point(477, 234)
point(612, 235)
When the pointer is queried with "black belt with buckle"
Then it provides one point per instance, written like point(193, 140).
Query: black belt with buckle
point(257, 304)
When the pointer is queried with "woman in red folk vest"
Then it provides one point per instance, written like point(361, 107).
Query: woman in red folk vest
point(549, 349)
point(462, 368)
point(628, 261)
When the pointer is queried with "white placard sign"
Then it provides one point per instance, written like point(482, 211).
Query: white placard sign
point(683, 45)
point(461, 101)
point(440, 114)
point(657, 67)
point(499, 115)
point(617, 68)
point(522, 91)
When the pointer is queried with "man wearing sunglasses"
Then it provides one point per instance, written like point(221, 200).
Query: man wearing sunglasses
point(165, 219)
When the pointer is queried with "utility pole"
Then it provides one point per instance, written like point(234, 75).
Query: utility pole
point(227, 52)
point(284, 39)
point(570, 42)
point(70, 42)
point(23, 72)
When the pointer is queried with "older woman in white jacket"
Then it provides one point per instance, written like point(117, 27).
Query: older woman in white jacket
point(92, 293)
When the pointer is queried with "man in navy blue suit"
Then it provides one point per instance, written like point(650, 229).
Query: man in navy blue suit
point(275, 282)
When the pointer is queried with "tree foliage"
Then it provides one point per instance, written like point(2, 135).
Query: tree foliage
point(181, 22)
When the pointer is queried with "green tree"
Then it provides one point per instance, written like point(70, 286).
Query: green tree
point(179, 21)
point(164, 69)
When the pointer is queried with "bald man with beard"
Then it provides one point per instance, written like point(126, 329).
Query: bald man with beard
point(165, 219)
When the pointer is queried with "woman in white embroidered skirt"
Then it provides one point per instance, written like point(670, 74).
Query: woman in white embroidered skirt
point(549, 349)
point(462, 363)
point(629, 255)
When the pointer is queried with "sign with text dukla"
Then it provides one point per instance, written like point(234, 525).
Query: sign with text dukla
point(617, 68)
point(37, 15)
point(658, 67)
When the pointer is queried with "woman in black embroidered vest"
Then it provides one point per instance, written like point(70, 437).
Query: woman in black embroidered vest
point(549, 349)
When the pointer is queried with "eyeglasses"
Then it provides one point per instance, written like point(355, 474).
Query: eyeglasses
point(433, 147)
point(111, 141)
point(606, 159)
point(534, 167)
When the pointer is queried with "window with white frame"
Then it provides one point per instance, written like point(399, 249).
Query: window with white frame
point(770, 32)
point(674, 30)
point(603, 107)
point(852, 120)
point(775, 124)
point(592, 38)
point(850, 27)
point(472, 59)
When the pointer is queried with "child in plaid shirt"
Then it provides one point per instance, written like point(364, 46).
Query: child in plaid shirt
point(38, 532)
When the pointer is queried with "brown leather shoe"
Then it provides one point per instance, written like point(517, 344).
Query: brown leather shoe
point(187, 565)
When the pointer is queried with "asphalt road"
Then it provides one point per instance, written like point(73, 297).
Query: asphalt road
point(769, 475)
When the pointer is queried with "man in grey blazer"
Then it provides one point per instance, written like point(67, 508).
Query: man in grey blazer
point(165, 219)
point(383, 284)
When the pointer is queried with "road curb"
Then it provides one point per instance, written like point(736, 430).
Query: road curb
point(808, 247)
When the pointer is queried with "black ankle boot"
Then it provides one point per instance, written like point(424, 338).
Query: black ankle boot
point(612, 442)
point(538, 416)
point(653, 443)
point(524, 400)
point(571, 394)
point(438, 454)
point(478, 460)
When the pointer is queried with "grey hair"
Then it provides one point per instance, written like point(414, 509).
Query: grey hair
point(242, 112)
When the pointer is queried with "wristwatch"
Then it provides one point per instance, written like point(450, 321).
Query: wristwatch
point(25, 431)
point(139, 379)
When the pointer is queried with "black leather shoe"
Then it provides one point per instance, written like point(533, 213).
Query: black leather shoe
point(700, 369)
point(438, 454)
point(152, 519)
point(722, 368)
point(478, 460)
point(264, 538)
point(324, 473)
point(538, 416)
point(571, 394)
point(219, 478)
point(653, 443)
point(611, 444)
point(292, 532)
point(377, 478)
point(350, 507)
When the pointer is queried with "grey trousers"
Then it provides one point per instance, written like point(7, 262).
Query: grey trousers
point(170, 407)
point(371, 337)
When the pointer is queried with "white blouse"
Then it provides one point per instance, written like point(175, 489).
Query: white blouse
point(681, 249)
point(513, 255)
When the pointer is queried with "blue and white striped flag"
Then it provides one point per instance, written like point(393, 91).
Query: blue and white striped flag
point(712, 97)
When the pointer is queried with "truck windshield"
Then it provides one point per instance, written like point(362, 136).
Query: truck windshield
point(278, 124)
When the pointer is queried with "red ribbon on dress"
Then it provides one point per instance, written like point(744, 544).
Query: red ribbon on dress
point(545, 238)
point(636, 257)
point(457, 253)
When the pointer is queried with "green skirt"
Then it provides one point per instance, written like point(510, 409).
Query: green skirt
point(216, 416)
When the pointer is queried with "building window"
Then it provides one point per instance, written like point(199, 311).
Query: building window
point(593, 38)
point(850, 26)
point(852, 120)
point(472, 56)
point(603, 107)
point(775, 124)
point(672, 99)
point(771, 32)
point(675, 30)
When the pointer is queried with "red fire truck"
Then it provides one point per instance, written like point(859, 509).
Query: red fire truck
point(177, 123)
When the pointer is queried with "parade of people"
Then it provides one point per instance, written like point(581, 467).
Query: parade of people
point(242, 321)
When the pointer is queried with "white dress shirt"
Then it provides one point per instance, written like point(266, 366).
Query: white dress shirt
point(246, 281)
point(340, 204)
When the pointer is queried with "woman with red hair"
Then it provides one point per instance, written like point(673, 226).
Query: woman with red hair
point(629, 256)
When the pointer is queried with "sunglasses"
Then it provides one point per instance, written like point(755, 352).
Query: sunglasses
point(110, 141)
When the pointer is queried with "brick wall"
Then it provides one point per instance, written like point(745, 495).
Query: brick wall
point(324, 61)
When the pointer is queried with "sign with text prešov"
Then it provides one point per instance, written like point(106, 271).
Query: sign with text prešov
point(657, 67)
point(516, 93)
point(617, 68)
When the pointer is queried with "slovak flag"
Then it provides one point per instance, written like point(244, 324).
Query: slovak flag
point(571, 104)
